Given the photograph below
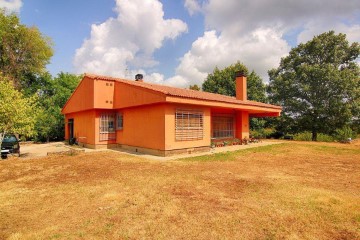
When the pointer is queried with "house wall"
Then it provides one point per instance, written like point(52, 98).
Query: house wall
point(129, 96)
point(151, 129)
point(82, 99)
point(104, 94)
point(170, 142)
point(242, 124)
point(143, 127)
point(84, 126)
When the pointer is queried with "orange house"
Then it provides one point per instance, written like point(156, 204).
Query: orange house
point(106, 112)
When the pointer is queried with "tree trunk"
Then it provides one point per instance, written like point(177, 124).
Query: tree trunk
point(314, 135)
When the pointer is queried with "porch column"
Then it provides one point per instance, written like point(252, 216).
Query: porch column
point(242, 125)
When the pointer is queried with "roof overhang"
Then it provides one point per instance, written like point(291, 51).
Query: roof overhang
point(254, 111)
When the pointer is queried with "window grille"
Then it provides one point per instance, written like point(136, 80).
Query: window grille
point(107, 126)
point(119, 121)
point(222, 126)
point(189, 125)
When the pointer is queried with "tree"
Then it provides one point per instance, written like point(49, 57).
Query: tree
point(318, 84)
point(223, 82)
point(16, 112)
point(24, 51)
point(64, 85)
point(53, 94)
point(49, 123)
point(194, 87)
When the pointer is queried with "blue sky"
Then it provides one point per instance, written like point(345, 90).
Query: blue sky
point(178, 42)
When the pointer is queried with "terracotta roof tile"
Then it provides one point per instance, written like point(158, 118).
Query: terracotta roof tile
point(184, 93)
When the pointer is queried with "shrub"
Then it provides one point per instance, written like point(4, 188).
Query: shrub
point(262, 133)
point(307, 136)
point(325, 138)
point(344, 134)
point(268, 132)
point(257, 133)
point(304, 136)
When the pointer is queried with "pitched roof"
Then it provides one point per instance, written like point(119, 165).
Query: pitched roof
point(183, 93)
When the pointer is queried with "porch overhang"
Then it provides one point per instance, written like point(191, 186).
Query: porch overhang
point(252, 108)
point(265, 114)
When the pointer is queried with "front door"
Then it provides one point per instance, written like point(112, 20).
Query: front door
point(71, 129)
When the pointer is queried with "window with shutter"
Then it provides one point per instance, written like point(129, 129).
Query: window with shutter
point(189, 125)
point(222, 126)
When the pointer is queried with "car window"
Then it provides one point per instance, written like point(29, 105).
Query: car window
point(9, 138)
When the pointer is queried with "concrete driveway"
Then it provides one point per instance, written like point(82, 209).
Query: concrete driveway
point(33, 150)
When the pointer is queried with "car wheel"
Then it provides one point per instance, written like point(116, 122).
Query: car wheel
point(3, 156)
point(19, 154)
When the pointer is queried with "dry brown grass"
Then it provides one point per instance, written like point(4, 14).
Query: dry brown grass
point(288, 191)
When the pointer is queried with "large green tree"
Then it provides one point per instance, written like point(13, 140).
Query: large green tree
point(24, 51)
point(318, 84)
point(222, 81)
point(17, 113)
point(53, 94)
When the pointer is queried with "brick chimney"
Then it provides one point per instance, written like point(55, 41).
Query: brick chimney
point(241, 86)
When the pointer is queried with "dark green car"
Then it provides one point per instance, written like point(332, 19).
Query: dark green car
point(10, 145)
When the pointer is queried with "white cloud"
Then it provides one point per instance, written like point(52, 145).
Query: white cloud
point(11, 5)
point(127, 41)
point(315, 28)
point(193, 6)
point(177, 81)
point(260, 51)
point(155, 78)
point(253, 32)
point(245, 15)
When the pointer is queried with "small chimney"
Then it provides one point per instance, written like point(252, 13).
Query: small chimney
point(241, 86)
point(139, 77)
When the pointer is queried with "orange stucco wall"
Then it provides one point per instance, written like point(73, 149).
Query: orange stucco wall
point(151, 126)
point(82, 99)
point(129, 96)
point(84, 126)
point(143, 127)
point(104, 94)
point(170, 142)
point(242, 125)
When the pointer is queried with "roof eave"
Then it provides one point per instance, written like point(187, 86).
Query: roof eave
point(211, 103)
